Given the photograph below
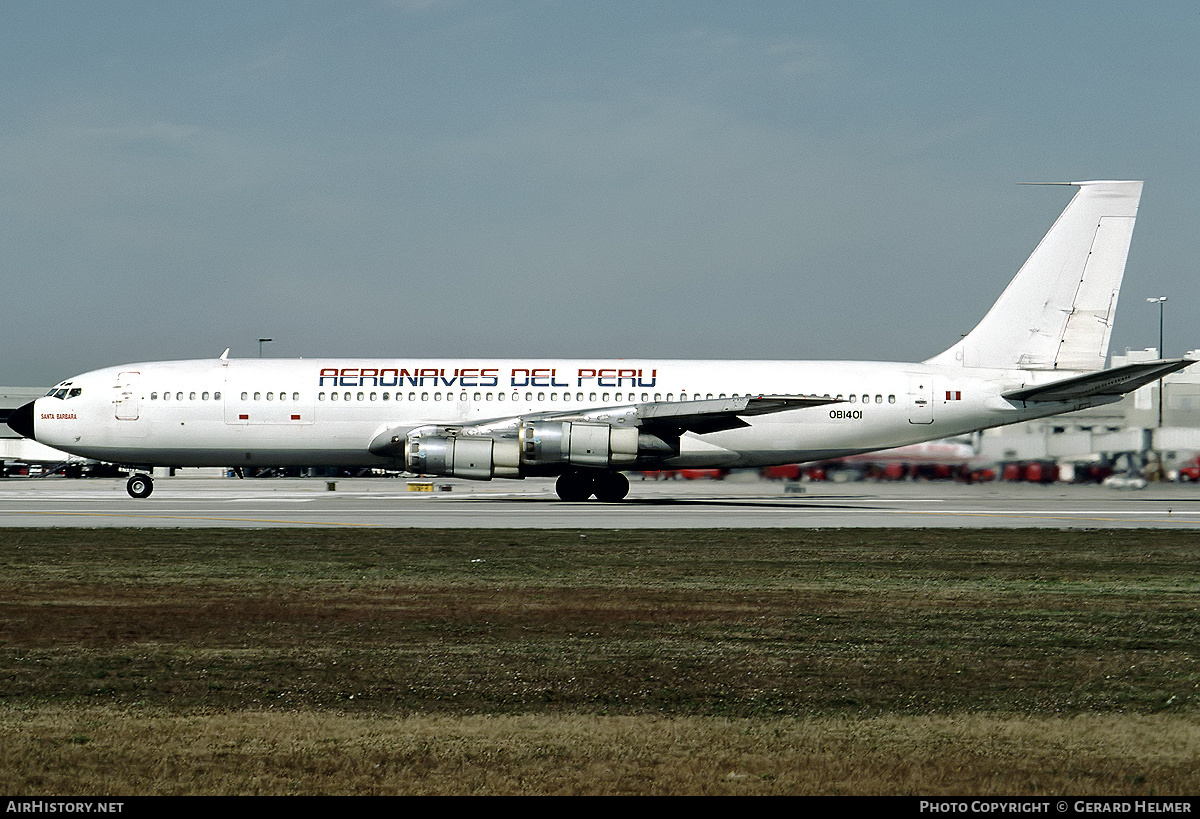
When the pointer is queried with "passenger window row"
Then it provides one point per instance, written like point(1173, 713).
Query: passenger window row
point(270, 396)
point(191, 396)
point(450, 396)
point(502, 396)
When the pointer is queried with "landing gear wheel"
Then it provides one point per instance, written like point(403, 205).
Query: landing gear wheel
point(140, 486)
point(574, 487)
point(611, 487)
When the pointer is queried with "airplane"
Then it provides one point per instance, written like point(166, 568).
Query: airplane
point(1040, 350)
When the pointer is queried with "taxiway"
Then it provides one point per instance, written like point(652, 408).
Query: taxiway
point(733, 503)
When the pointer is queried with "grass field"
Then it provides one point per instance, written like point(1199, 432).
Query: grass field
point(585, 661)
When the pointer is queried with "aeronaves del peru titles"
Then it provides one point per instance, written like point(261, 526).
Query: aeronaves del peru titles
point(479, 376)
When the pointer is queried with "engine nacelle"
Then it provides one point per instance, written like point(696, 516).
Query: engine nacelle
point(579, 443)
point(430, 452)
point(541, 447)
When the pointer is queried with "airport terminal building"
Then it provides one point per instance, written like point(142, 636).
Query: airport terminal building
point(1143, 426)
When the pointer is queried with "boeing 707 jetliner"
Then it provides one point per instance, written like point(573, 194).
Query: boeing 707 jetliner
point(1039, 351)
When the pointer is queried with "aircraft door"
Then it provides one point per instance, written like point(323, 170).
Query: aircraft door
point(462, 406)
point(920, 396)
point(125, 402)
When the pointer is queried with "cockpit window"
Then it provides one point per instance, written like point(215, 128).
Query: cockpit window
point(75, 392)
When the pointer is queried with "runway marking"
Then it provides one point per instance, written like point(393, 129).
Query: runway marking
point(1074, 516)
point(1049, 512)
point(1171, 517)
point(261, 500)
point(190, 517)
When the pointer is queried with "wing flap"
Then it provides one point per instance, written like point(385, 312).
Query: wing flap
point(717, 414)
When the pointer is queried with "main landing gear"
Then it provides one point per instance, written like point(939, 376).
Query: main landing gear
point(579, 486)
point(139, 486)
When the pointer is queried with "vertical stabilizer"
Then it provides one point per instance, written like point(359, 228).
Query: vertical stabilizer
point(1057, 313)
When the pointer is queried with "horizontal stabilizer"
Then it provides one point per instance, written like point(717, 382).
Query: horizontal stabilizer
point(1106, 383)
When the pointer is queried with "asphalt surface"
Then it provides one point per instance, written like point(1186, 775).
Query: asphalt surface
point(737, 502)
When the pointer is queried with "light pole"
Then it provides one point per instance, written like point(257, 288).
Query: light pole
point(261, 341)
point(1161, 302)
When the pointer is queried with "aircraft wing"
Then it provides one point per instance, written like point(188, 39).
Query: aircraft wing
point(704, 415)
point(1114, 383)
point(716, 414)
point(668, 419)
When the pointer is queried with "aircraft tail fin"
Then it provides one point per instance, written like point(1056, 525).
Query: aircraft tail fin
point(1057, 312)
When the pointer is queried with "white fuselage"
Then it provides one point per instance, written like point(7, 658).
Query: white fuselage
point(326, 412)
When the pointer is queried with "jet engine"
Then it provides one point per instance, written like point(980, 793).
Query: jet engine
point(430, 451)
point(552, 443)
point(537, 448)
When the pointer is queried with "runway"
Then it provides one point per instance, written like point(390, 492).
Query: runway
point(732, 503)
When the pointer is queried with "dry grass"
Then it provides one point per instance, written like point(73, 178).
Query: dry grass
point(104, 751)
point(419, 661)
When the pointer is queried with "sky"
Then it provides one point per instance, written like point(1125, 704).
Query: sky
point(542, 178)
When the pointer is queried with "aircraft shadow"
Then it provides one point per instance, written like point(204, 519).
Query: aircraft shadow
point(646, 503)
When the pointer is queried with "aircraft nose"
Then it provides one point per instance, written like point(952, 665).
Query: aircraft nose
point(21, 420)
